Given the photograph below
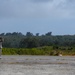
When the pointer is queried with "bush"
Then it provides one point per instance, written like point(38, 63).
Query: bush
point(46, 50)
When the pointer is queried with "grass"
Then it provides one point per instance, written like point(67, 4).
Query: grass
point(46, 50)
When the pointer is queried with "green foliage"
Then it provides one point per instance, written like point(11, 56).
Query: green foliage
point(48, 34)
point(46, 50)
point(29, 42)
point(18, 40)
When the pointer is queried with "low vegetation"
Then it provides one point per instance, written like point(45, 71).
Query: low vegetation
point(46, 44)
point(46, 50)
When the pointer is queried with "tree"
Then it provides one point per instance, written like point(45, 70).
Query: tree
point(48, 34)
point(2, 34)
point(29, 34)
point(37, 34)
point(7, 34)
point(29, 42)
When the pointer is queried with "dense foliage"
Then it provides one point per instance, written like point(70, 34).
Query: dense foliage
point(47, 44)
point(46, 50)
point(18, 40)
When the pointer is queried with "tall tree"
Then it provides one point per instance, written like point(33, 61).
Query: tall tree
point(29, 34)
point(49, 34)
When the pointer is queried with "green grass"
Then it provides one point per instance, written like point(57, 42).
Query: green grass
point(46, 50)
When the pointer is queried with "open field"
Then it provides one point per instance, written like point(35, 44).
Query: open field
point(37, 65)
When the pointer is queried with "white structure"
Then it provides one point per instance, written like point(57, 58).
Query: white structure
point(1, 40)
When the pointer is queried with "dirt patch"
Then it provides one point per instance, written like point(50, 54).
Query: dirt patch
point(32, 65)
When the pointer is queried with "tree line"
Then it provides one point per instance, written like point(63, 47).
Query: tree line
point(29, 40)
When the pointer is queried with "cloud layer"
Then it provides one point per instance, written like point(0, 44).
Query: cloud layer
point(37, 8)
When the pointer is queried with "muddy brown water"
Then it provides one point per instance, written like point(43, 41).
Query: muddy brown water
point(37, 65)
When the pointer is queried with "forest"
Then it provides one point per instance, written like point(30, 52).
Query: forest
point(37, 43)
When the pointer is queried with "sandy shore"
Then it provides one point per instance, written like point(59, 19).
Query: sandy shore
point(37, 65)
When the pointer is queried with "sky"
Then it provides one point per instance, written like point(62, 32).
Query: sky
point(38, 16)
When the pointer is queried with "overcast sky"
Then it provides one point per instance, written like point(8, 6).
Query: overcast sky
point(37, 16)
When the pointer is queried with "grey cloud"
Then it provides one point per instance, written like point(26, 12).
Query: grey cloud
point(36, 8)
point(71, 0)
point(37, 1)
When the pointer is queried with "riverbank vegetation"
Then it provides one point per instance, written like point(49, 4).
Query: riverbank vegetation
point(46, 50)
point(17, 43)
